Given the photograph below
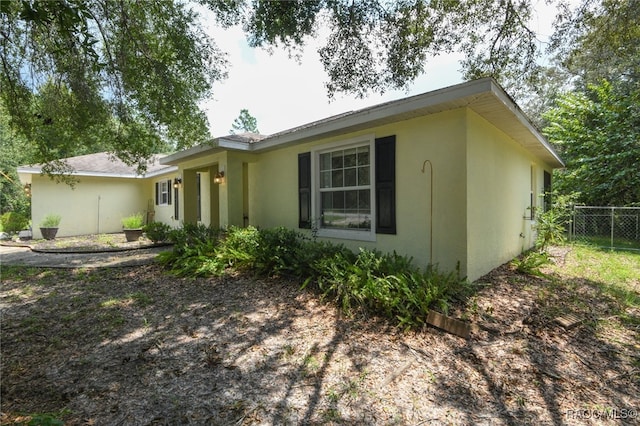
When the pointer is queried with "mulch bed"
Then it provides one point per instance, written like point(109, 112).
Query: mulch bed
point(137, 346)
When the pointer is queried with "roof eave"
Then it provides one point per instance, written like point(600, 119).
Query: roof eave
point(216, 145)
point(84, 173)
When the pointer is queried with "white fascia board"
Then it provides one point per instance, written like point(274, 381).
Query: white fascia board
point(509, 103)
point(216, 145)
point(377, 113)
point(170, 169)
point(189, 152)
point(234, 145)
point(29, 170)
point(35, 170)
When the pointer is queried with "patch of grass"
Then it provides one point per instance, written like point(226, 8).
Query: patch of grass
point(600, 286)
point(617, 273)
point(32, 324)
point(311, 365)
point(106, 239)
point(138, 298)
point(605, 242)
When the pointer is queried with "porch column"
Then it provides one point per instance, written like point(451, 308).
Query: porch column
point(231, 193)
point(190, 197)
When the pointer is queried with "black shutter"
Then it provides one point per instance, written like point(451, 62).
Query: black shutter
point(169, 192)
point(304, 190)
point(386, 185)
point(176, 208)
point(157, 193)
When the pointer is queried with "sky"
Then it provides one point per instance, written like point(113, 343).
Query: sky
point(282, 93)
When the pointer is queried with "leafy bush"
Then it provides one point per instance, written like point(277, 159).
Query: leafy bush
point(531, 262)
point(51, 221)
point(134, 221)
point(13, 222)
point(384, 284)
point(157, 231)
point(551, 225)
point(388, 284)
point(194, 251)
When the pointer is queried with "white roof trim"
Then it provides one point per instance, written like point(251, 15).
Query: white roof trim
point(452, 97)
point(37, 171)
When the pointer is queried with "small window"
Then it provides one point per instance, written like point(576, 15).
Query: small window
point(163, 193)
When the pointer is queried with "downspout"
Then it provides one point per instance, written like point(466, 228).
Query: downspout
point(98, 214)
point(430, 208)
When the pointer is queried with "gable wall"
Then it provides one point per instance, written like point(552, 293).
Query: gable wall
point(94, 205)
point(499, 194)
point(273, 189)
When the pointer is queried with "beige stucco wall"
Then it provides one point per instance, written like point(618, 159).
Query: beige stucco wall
point(94, 205)
point(438, 138)
point(499, 193)
point(462, 190)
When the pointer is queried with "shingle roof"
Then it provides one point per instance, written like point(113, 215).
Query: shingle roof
point(104, 164)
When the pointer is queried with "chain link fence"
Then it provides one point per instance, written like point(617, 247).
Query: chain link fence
point(611, 227)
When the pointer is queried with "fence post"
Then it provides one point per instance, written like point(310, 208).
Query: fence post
point(613, 214)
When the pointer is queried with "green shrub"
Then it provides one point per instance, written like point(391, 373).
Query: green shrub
point(383, 284)
point(387, 284)
point(134, 221)
point(51, 221)
point(551, 225)
point(13, 222)
point(157, 231)
point(194, 251)
point(531, 262)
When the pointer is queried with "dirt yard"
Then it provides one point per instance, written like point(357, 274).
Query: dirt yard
point(135, 346)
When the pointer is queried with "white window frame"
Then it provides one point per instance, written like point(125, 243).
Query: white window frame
point(163, 192)
point(347, 234)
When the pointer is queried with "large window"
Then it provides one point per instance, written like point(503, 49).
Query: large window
point(345, 188)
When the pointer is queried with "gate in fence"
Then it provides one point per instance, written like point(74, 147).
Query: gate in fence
point(612, 227)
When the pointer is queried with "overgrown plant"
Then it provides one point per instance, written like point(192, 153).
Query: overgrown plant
point(552, 224)
point(51, 221)
point(13, 222)
point(551, 227)
point(157, 231)
point(371, 281)
point(531, 262)
point(134, 221)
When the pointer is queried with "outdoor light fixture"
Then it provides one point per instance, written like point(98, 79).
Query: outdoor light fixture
point(177, 182)
point(219, 178)
point(27, 189)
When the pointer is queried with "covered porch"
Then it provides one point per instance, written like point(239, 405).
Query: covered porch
point(214, 190)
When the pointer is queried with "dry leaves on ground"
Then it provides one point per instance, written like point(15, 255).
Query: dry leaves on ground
point(136, 346)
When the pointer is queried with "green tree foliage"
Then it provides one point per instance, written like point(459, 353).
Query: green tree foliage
point(244, 123)
point(14, 151)
point(599, 40)
point(127, 76)
point(377, 45)
point(99, 74)
point(598, 135)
